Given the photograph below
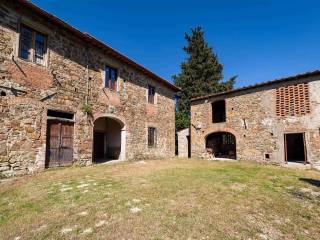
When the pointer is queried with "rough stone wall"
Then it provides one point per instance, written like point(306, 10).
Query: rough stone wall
point(251, 117)
point(62, 85)
point(183, 142)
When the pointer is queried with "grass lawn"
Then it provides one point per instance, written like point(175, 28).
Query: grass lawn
point(163, 199)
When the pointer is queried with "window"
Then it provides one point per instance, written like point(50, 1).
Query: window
point(151, 94)
point(152, 137)
point(111, 76)
point(219, 111)
point(32, 45)
point(292, 100)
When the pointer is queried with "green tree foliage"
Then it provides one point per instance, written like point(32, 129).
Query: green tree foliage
point(201, 74)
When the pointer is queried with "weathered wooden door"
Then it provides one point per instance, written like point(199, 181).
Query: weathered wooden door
point(59, 143)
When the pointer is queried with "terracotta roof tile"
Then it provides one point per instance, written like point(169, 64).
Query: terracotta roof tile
point(286, 79)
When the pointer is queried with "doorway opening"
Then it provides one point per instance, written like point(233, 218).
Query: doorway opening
point(107, 140)
point(295, 148)
point(189, 146)
point(221, 145)
point(59, 140)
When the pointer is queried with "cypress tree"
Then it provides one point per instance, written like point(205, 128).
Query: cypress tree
point(201, 74)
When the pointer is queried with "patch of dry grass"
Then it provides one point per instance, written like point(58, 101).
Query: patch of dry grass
point(163, 199)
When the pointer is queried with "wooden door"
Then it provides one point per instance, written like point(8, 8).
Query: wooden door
point(59, 144)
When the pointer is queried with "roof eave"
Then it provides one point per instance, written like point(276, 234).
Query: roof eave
point(287, 79)
point(88, 38)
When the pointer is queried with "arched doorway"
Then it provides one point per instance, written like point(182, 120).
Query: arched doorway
point(108, 140)
point(222, 145)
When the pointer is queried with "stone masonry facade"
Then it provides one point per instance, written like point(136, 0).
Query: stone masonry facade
point(72, 77)
point(251, 116)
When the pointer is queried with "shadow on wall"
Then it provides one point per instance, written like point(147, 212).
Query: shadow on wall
point(313, 182)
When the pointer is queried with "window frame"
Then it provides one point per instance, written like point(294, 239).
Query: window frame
point(152, 144)
point(32, 58)
point(108, 82)
point(151, 97)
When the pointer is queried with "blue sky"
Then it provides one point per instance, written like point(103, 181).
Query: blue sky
point(257, 40)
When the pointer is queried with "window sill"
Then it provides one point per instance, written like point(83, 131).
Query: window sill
point(111, 90)
point(30, 62)
point(151, 104)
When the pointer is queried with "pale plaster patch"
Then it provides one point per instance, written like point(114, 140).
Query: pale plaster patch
point(135, 210)
point(66, 189)
point(101, 223)
point(83, 213)
point(83, 185)
point(87, 231)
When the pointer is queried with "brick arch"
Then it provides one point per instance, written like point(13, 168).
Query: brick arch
point(220, 129)
point(223, 144)
point(117, 118)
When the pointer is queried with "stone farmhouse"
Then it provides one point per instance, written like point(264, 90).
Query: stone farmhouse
point(67, 98)
point(272, 122)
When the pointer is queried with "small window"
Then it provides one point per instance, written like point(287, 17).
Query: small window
point(219, 111)
point(32, 45)
point(111, 76)
point(151, 94)
point(152, 137)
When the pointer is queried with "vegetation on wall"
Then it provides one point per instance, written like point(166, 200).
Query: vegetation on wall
point(201, 74)
point(87, 108)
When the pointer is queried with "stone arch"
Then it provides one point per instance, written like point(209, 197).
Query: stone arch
point(220, 128)
point(109, 138)
point(221, 144)
point(117, 118)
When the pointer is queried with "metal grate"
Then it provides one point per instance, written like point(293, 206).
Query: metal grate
point(293, 100)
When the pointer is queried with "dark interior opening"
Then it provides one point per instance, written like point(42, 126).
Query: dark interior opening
point(222, 145)
point(189, 146)
point(58, 114)
point(3, 94)
point(295, 147)
point(219, 111)
point(106, 140)
point(176, 145)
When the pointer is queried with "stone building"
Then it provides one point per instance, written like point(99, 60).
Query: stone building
point(183, 143)
point(67, 98)
point(276, 122)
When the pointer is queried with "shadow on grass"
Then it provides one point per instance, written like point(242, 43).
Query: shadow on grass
point(311, 181)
